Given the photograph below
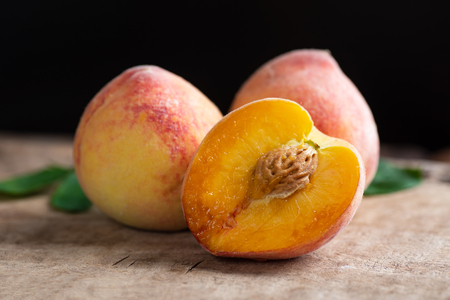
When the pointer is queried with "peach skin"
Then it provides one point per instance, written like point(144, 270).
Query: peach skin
point(134, 142)
point(313, 79)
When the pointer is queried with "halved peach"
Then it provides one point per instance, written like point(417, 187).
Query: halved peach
point(266, 184)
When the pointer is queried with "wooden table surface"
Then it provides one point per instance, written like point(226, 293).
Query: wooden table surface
point(396, 247)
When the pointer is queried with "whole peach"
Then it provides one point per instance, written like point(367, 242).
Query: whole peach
point(313, 79)
point(134, 142)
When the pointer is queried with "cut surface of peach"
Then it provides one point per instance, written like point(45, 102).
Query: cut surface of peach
point(266, 184)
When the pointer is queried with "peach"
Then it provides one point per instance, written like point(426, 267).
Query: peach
point(313, 79)
point(134, 142)
point(266, 184)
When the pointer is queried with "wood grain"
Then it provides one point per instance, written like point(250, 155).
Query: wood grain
point(396, 247)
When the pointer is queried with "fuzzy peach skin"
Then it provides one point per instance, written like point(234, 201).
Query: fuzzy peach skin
point(134, 143)
point(313, 79)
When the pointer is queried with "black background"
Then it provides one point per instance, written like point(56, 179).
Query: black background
point(56, 55)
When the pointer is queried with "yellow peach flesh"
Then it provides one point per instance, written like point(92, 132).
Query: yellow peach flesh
point(219, 176)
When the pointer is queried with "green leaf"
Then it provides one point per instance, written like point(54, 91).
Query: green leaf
point(390, 178)
point(69, 196)
point(32, 182)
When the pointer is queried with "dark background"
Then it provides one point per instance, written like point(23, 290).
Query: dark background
point(56, 55)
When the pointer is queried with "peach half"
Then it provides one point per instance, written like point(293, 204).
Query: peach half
point(266, 184)
point(134, 143)
point(313, 79)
